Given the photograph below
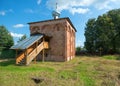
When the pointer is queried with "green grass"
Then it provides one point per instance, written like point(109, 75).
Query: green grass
point(81, 71)
point(112, 57)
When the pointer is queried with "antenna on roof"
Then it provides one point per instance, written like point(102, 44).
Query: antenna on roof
point(55, 14)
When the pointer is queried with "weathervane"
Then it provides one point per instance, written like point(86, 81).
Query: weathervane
point(55, 14)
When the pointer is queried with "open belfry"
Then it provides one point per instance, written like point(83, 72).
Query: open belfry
point(50, 40)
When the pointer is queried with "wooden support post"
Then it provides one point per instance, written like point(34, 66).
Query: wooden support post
point(35, 60)
point(43, 55)
point(43, 39)
point(36, 52)
point(43, 52)
point(26, 54)
point(36, 46)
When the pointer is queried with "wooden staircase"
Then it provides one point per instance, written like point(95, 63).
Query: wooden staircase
point(29, 54)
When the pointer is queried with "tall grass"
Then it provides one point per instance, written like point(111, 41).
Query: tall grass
point(81, 71)
point(112, 57)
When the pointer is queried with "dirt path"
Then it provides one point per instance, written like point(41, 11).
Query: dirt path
point(3, 60)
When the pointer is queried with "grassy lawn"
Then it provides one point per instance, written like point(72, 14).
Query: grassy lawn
point(81, 71)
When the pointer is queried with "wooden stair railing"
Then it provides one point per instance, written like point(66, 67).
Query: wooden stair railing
point(36, 51)
point(20, 57)
point(29, 54)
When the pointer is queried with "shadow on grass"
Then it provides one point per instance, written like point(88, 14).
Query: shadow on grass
point(8, 62)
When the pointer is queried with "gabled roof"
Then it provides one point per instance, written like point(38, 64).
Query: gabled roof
point(27, 42)
point(66, 18)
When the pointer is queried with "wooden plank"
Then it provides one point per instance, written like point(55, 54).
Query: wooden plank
point(20, 57)
point(39, 48)
point(24, 54)
point(43, 55)
point(46, 45)
point(35, 60)
point(33, 54)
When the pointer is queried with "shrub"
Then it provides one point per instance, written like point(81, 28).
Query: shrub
point(7, 53)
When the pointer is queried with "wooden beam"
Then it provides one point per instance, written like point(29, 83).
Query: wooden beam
point(43, 56)
point(43, 39)
point(36, 52)
point(26, 54)
point(43, 52)
point(36, 46)
point(35, 60)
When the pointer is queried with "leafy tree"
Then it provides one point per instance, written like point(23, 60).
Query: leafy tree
point(104, 32)
point(78, 49)
point(6, 40)
point(115, 15)
point(89, 32)
point(22, 38)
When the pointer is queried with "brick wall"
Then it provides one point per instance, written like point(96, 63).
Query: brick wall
point(62, 42)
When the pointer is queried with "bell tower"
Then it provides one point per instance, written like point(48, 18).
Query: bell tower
point(55, 14)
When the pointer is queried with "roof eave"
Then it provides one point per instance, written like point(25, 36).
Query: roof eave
point(67, 18)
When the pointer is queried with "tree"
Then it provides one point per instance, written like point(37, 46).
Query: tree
point(103, 32)
point(78, 49)
point(22, 38)
point(6, 40)
point(89, 32)
point(115, 15)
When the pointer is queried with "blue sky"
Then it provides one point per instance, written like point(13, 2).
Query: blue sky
point(15, 14)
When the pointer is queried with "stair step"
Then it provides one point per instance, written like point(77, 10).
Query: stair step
point(23, 60)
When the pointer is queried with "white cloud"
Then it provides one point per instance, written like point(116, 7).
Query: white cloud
point(105, 4)
point(73, 6)
point(29, 11)
point(81, 6)
point(19, 26)
point(2, 13)
point(38, 2)
point(79, 10)
point(16, 35)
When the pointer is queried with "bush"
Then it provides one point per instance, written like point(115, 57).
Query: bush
point(7, 54)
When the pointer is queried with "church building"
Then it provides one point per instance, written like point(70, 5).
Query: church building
point(50, 40)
